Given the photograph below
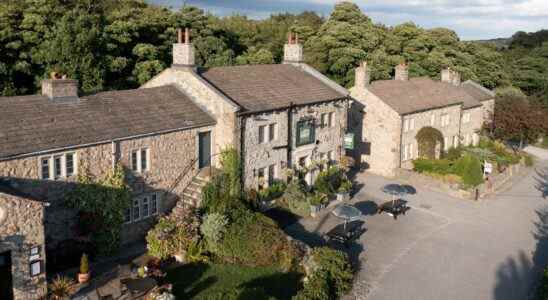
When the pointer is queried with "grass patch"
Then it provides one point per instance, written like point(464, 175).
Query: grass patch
point(217, 281)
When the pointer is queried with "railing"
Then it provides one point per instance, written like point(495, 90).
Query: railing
point(187, 169)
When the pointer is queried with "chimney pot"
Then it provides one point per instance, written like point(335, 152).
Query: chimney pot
point(187, 35)
point(183, 51)
point(293, 51)
point(60, 87)
point(450, 76)
point(362, 76)
point(179, 35)
point(402, 72)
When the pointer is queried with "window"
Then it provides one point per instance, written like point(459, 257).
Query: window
point(35, 268)
point(44, 165)
point(271, 174)
point(455, 141)
point(466, 118)
point(408, 152)
point(323, 120)
point(331, 119)
point(262, 134)
point(445, 120)
point(305, 133)
point(272, 131)
point(327, 119)
point(140, 160)
point(475, 139)
point(330, 156)
point(143, 207)
point(408, 125)
point(446, 143)
point(58, 166)
point(433, 120)
point(261, 178)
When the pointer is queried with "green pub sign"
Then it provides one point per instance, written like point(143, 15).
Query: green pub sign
point(349, 141)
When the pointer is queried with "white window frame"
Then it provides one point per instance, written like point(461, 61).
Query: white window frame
point(466, 117)
point(272, 132)
point(408, 124)
point(139, 167)
point(262, 134)
point(407, 152)
point(445, 120)
point(475, 139)
point(139, 203)
point(446, 143)
point(433, 120)
point(455, 141)
point(63, 165)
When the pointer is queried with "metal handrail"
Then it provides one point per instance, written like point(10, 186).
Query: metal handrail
point(187, 169)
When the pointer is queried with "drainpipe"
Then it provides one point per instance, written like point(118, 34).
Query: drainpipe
point(401, 140)
point(289, 135)
point(242, 155)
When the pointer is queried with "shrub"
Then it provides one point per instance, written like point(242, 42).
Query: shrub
point(213, 227)
point(61, 287)
point(529, 160)
point(253, 239)
point(331, 276)
point(453, 153)
point(317, 199)
point(469, 168)
point(84, 264)
point(296, 198)
point(329, 181)
point(439, 166)
point(346, 186)
point(231, 168)
point(275, 190)
point(173, 234)
point(216, 196)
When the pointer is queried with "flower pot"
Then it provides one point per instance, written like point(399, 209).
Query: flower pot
point(343, 196)
point(314, 208)
point(83, 277)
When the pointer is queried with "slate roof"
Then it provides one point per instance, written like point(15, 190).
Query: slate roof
point(267, 87)
point(35, 123)
point(422, 93)
point(477, 91)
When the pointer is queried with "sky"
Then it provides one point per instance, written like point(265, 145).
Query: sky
point(471, 19)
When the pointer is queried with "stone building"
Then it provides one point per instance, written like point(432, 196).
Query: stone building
point(278, 116)
point(404, 110)
point(47, 140)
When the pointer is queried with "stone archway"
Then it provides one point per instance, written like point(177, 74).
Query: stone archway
point(430, 142)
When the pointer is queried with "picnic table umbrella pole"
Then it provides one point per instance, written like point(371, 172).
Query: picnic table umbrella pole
point(347, 212)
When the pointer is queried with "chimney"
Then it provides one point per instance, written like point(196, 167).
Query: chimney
point(58, 87)
point(402, 72)
point(183, 50)
point(450, 76)
point(293, 50)
point(362, 76)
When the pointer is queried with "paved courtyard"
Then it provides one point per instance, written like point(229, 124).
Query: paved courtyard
point(448, 248)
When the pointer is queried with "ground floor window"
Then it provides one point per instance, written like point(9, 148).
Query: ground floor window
point(142, 207)
point(408, 152)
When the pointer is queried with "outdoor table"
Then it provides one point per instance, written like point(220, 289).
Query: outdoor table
point(140, 286)
point(346, 233)
point(394, 207)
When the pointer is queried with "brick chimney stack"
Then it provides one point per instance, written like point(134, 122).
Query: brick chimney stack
point(183, 50)
point(362, 77)
point(450, 76)
point(402, 72)
point(293, 50)
point(58, 87)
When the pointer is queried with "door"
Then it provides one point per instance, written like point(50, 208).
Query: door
point(6, 288)
point(204, 149)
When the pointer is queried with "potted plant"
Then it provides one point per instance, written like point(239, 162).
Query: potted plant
point(61, 287)
point(83, 276)
point(343, 193)
point(315, 202)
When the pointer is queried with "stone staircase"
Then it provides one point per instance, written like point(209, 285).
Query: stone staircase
point(192, 194)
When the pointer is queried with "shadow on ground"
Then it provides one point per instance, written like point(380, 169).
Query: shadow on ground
point(520, 276)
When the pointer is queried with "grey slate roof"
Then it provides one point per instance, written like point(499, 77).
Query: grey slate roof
point(419, 94)
point(35, 123)
point(477, 91)
point(266, 87)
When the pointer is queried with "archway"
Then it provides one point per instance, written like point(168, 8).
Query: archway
point(430, 142)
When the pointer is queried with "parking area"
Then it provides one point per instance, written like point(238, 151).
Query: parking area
point(448, 248)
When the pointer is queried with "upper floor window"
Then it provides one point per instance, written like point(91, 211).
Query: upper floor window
point(272, 132)
point(408, 124)
point(58, 166)
point(140, 160)
point(466, 117)
point(327, 119)
point(445, 120)
point(305, 132)
point(408, 152)
point(268, 133)
point(432, 120)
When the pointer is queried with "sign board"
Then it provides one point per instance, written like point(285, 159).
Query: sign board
point(349, 141)
point(487, 168)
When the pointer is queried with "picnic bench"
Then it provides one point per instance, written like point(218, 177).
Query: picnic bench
point(393, 207)
point(346, 233)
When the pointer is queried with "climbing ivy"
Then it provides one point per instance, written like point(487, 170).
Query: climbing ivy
point(104, 202)
point(427, 139)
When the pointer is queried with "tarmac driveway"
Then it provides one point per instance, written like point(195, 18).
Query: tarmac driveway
point(448, 248)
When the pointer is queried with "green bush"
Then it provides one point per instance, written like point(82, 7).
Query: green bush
point(275, 190)
point(542, 290)
point(216, 196)
point(453, 153)
point(329, 181)
point(255, 240)
point(529, 160)
point(439, 166)
point(296, 198)
point(469, 168)
point(331, 278)
point(213, 228)
point(173, 234)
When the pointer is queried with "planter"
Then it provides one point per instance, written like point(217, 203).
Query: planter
point(343, 196)
point(83, 277)
point(314, 209)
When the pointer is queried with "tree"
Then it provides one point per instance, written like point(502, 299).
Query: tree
point(517, 118)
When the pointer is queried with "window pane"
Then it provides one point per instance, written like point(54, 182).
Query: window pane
point(134, 161)
point(127, 215)
point(261, 134)
point(145, 207)
point(69, 163)
point(45, 168)
point(144, 160)
point(272, 132)
point(57, 166)
point(271, 174)
point(305, 133)
point(154, 204)
point(136, 210)
point(331, 117)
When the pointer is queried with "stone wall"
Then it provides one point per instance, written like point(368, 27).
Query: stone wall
point(205, 96)
point(488, 107)
point(170, 155)
point(21, 229)
point(423, 119)
point(470, 131)
point(261, 155)
point(380, 145)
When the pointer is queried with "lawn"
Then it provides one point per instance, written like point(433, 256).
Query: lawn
point(216, 281)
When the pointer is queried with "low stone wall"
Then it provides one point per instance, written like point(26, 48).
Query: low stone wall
point(491, 185)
